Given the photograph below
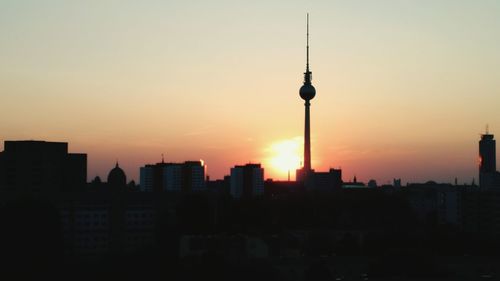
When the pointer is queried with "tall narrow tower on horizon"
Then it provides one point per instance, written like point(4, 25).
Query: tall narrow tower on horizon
point(307, 93)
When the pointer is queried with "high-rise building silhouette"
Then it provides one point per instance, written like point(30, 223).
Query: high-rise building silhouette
point(186, 177)
point(307, 93)
point(40, 166)
point(487, 154)
point(488, 176)
point(247, 181)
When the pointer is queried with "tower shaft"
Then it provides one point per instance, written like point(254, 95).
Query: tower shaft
point(307, 138)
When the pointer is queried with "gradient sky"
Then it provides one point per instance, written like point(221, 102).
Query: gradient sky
point(404, 88)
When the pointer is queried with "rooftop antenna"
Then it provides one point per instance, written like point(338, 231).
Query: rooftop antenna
point(162, 158)
point(487, 129)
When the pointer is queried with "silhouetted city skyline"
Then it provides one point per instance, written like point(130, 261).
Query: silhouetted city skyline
point(32, 152)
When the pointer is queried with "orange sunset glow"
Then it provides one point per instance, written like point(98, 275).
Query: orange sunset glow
point(285, 157)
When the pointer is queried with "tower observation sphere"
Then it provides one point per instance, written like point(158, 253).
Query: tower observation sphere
point(307, 92)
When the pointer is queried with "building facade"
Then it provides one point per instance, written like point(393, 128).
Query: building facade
point(247, 181)
point(188, 176)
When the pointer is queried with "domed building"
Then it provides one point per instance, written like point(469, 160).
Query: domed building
point(117, 177)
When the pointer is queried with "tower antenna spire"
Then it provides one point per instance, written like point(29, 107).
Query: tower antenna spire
point(308, 73)
point(307, 44)
point(487, 129)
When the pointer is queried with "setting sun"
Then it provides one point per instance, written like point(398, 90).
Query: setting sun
point(285, 156)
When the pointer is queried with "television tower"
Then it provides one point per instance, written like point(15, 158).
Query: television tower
point(307, 93)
